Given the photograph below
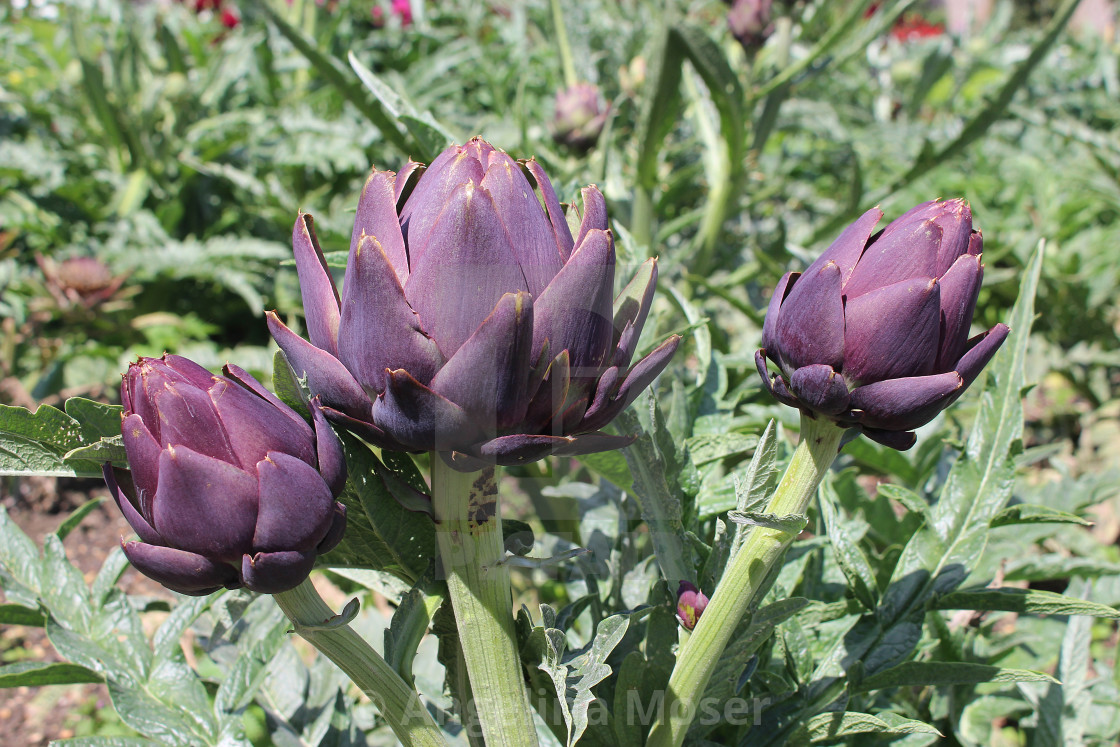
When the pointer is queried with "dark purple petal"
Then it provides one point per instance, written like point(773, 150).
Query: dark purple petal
point(605, 389)
point(980, 351)
point(892, 332)
point(905, 403)
point(320, 297)
point(242, 377)
point(204, 505)
point(811, 322)
point(640, 376)
point(921, 212)
point(631, 307)
point(848, 247)
point(406, 181)
point(959, 289)
point(133, 516)
point(489, 374)
point(976, 244)
point(328, 449)
point(143, 459)
point(551, 396)
point(185, 369)
point(547, 196)
point(255, 427)
point(907, 253)
point(525, 222)
point(326, 376)
point(594, 212)
point(364, 428)
point(774, 383)
point(773, 310)
point(295, 505)
point(179, 570)
point(187, 416)
point(274, 572)
point(377, 217)
point(901, 440)
point(956, 230)
point(379, 329)
point(434, 194)
point(468, 265)
point(820, 389)
point(517, 449)
point(575, 312)
point(417, 417)
point(336, 531)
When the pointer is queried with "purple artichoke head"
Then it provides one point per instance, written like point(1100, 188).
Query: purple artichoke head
point(227, 485)
point(580, 116)
point(874, 334)
point(471, 321)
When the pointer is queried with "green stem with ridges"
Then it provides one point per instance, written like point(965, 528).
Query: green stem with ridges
point(396, 701)
point(746, 571)
point(472, 553)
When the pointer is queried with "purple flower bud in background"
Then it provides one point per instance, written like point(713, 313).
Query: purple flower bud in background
point(471, 322)
point(875, 333)
point(580, 116)
point(750, 23)
point(227, 486)
point(691, 603)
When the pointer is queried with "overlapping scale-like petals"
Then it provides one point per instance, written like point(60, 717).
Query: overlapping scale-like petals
point(260, 482)
point(498, 340)
point(901, 304)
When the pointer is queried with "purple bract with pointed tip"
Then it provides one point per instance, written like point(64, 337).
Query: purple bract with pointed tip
point(874, 334)
point(227, 485)
point(471, 322)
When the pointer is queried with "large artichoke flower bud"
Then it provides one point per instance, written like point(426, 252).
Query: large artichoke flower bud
point(471, 322)
point(228, 485)
point(875, 333)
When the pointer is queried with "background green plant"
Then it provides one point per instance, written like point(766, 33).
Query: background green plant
point(177, 151)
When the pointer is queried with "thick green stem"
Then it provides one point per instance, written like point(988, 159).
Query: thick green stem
point(396, 701)
point(469, 532)
point(563, 44)
point(746, 571)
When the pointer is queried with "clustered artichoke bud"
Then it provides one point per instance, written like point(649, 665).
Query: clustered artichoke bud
point(874, 335)
point(471, 321)
point(750, 23)
point(580, 116)
point(228, 485)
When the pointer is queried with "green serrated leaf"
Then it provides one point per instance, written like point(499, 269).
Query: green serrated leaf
point(940, 674)
point(845, 546)
point(17, 614)
point(1023, 601)
point(35, 443)
point(18, 554)
point(828, 727)
point(97, 419)
point(789, 523)
point(36, 673)
point(110, 449)
point(410, 624)
point(381, 534)
point(908, 498)
point(1025, 513)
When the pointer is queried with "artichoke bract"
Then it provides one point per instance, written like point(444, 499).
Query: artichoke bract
point(471, 322)
point(580, 117)
point(227, 486)
point(874, 334)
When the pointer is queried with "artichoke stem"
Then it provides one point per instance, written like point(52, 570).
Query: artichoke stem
point(469, 533)
point(742, 580)
point(398, 703)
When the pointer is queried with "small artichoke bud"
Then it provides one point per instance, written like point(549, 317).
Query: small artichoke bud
point(875, 334)
point(750, 23)
point(691, 603)
point(227, 485)
point(580, 116)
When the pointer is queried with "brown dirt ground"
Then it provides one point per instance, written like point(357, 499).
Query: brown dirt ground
point(33, 716)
